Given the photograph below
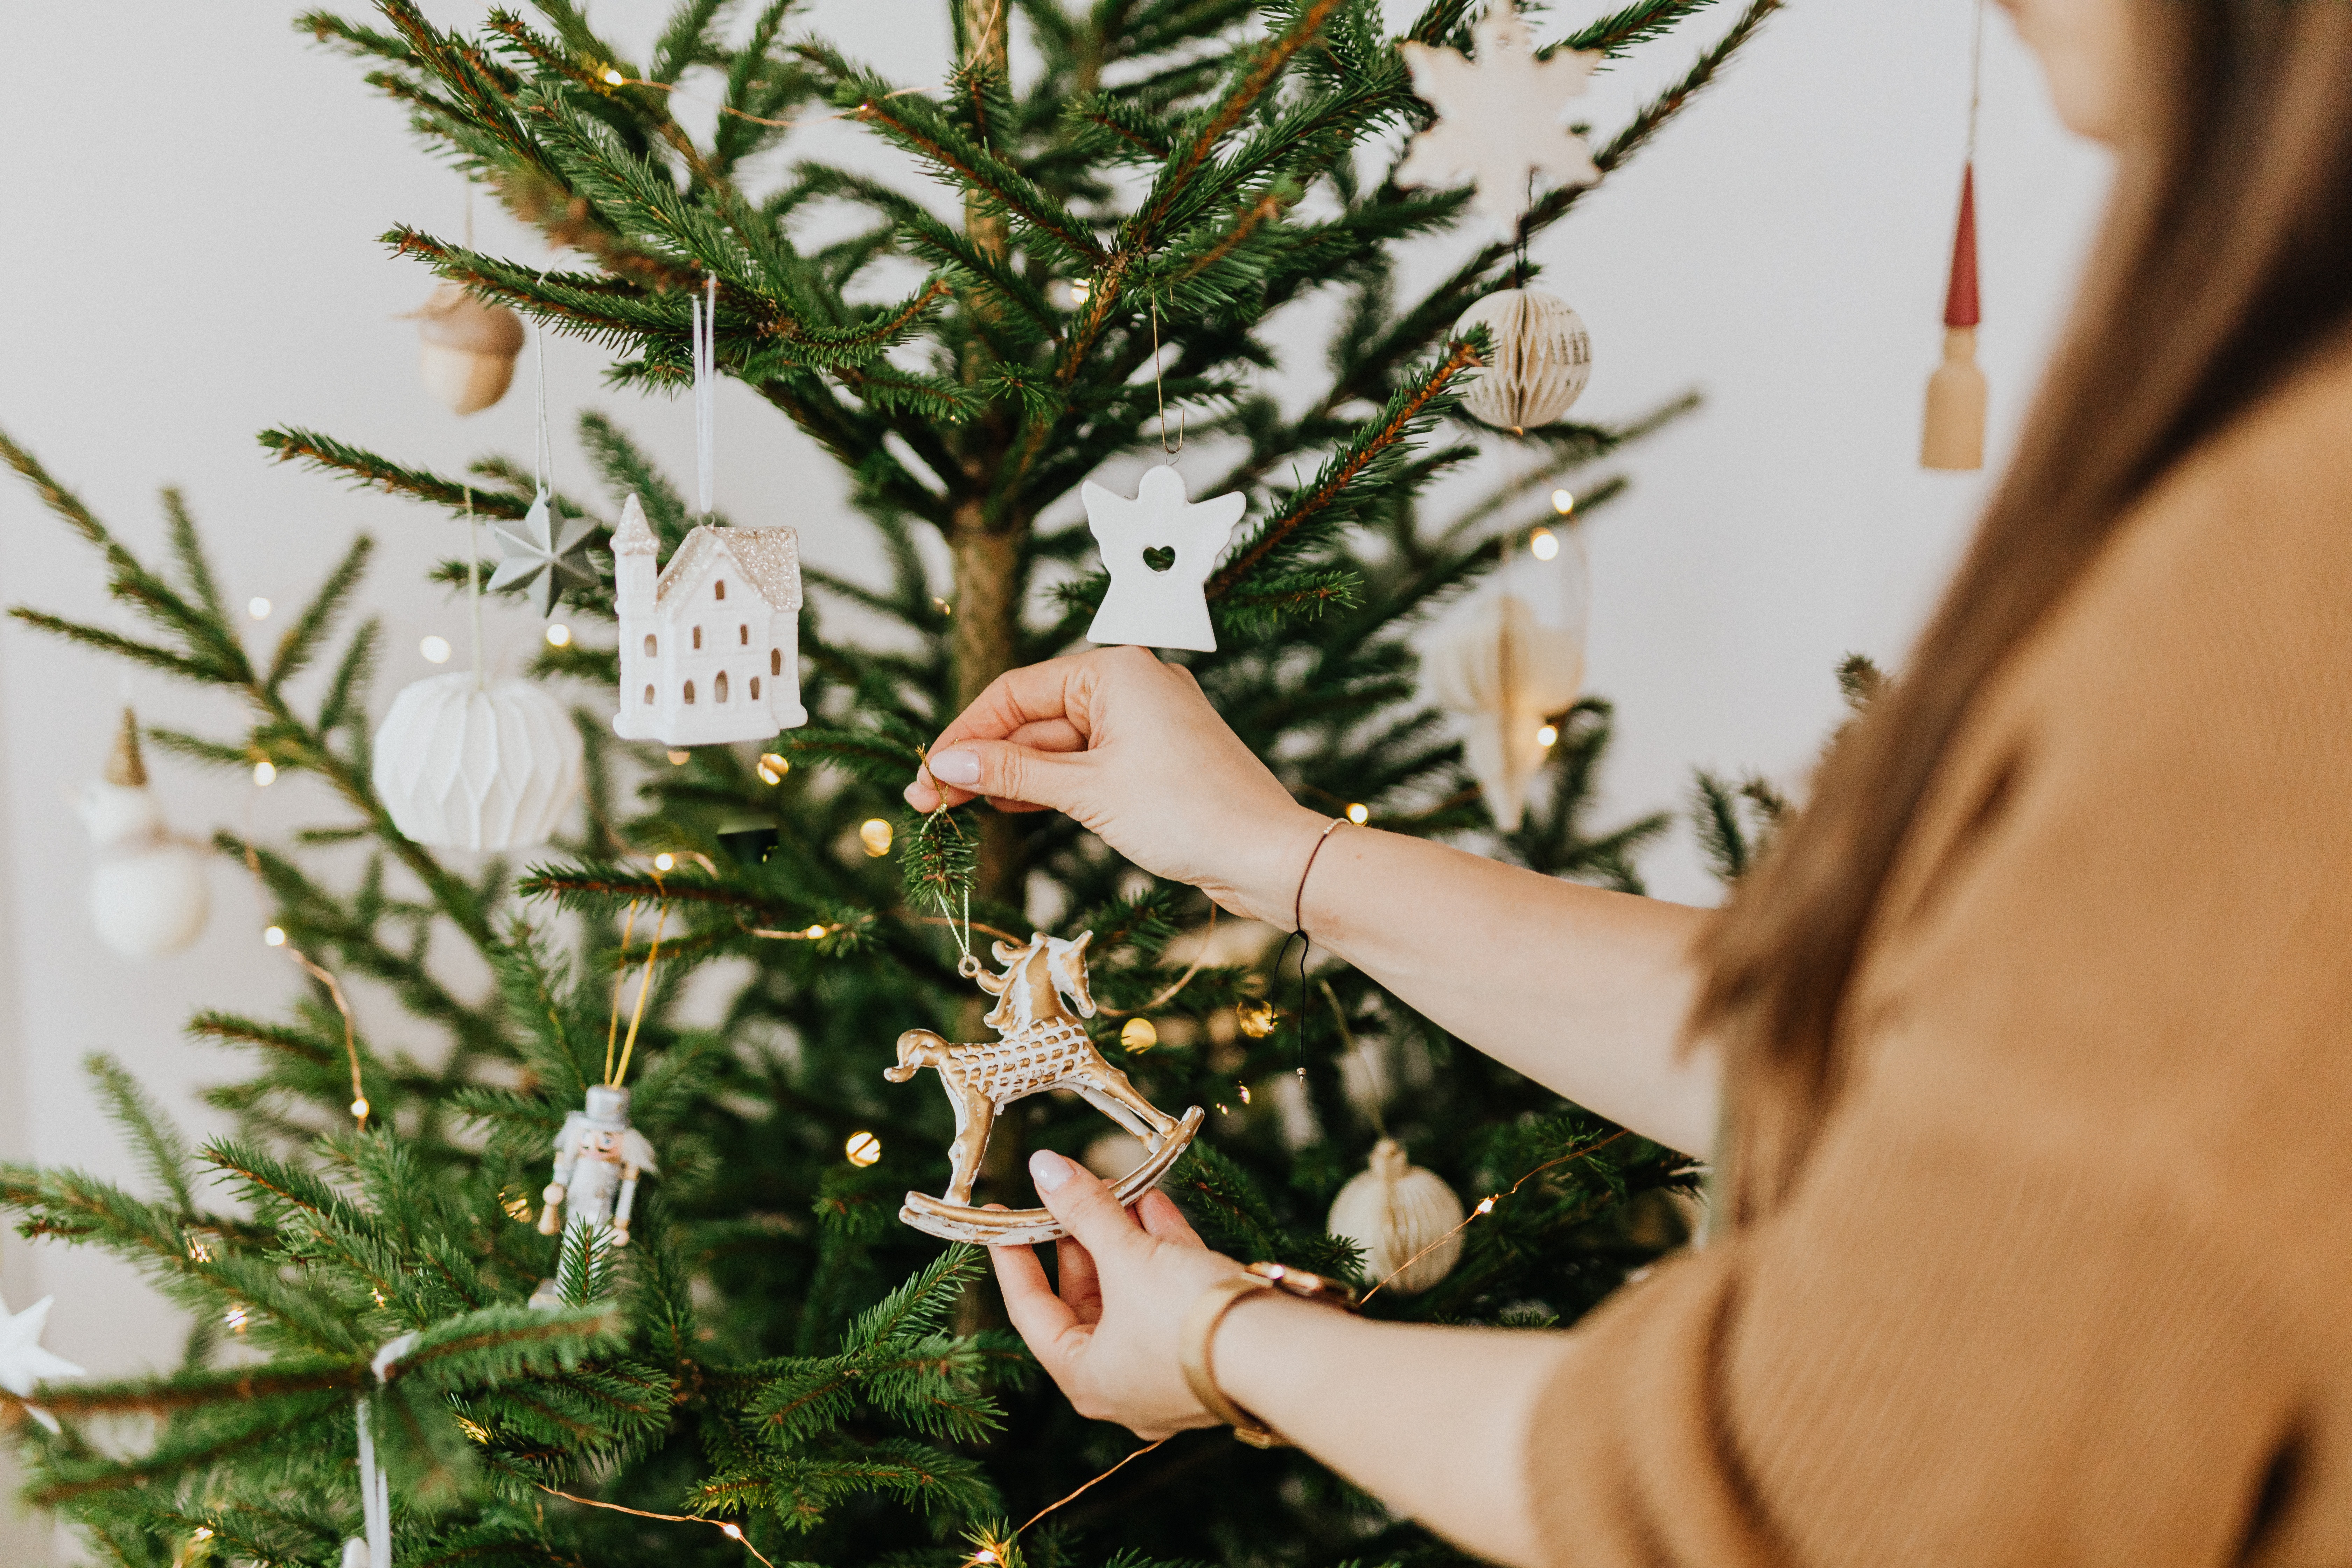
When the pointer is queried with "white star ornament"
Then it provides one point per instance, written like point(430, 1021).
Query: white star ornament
point(543, 553)
point(23, 1362)
point(1501, 117)
point(1158, 549)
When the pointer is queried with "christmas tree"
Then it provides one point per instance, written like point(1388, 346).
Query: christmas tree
point(775, 1368)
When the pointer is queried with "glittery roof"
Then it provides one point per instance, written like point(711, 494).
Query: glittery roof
point(768, 558)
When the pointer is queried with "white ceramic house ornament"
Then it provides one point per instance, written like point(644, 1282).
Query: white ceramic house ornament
point(1501, 116)
point(711, 651)
point(1159, 548)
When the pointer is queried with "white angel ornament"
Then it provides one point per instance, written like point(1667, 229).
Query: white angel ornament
point(598, 1159)
point(1158, 549)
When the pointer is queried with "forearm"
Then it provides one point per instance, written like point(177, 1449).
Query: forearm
point(1438, 1432)
point(1581, 989)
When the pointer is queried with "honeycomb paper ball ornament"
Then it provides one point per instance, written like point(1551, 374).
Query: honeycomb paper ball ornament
point(1403, 1217)
point(466, 349)
point(1542, 358)
point(465, 766)
point(1504, 674)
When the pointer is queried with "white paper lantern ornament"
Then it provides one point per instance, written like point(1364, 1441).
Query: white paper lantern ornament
point(1540, 359)
point(1406, 1220)
point(461, 763)
point(148, 896)
point(1504, 670)
point(465, 766)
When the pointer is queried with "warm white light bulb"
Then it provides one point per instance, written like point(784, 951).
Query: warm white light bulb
point(1543, 544)
point(875, 833)
point(265, 773)
point(679, 759)
point(435, 649)
point(559, 636)
point(1548, 736)
point(275, 936)
point(360, 1108)
point(614, 77)
point(814, 933)
point(1562, 502)
point(863, 1149)
point(1081, 292)
point(772, 768)
point(257, 608)
point(1359, 814)
point(664, 861)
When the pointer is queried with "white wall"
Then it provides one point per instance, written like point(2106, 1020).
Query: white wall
point(196, 193)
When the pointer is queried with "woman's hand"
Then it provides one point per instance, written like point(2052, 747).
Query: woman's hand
point(1110, 1340)
point(1128, 747)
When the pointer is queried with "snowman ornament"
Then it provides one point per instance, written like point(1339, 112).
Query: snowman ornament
point(598, 1159)
point(1158, 549)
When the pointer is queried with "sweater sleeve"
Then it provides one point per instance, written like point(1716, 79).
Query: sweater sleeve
point(2060, 1279)
point(1938, 1354)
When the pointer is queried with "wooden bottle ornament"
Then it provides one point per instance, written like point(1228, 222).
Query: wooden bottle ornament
point(466, 349)
point(148, 895)
point(1539, 364)
point(1953, 436)
point(1041, 1046)
point(1406, 1220)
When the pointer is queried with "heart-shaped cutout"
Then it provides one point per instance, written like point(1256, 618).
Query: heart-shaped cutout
point(1159, 557)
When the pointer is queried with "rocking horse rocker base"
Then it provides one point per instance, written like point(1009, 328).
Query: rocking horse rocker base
point(1024, 1228)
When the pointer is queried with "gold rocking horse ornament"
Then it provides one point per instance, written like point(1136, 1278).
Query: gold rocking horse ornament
point(1042, 1048)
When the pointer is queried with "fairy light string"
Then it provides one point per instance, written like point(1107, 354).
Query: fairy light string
point(727, 1528)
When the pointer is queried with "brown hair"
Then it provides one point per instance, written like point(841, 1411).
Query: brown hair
point(2227, 262)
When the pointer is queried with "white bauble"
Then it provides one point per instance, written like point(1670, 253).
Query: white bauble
point(466, 349)
point(1541, 359)
point(148, 895)
point(469, 767)
point(1506, 674)
point(1403, 1217)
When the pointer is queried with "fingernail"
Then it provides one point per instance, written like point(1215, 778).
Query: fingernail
point(1050, 1170)
point(956, 767)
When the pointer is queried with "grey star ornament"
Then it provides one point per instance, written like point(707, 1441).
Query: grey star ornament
point(544, 554)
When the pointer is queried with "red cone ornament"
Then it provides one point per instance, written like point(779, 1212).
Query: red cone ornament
point(1954, 435)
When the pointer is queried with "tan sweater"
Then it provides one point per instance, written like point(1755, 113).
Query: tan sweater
point(2064, 1274)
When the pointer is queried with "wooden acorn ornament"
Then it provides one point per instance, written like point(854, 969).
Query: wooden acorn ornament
point(1405, 1218)
point(466, 349)
point(1041, 1046)
point(1539, 364)
point(148, 897)
point(1953, 436)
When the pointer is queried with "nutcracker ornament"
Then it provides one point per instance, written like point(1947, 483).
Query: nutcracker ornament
point(1041, 1046)
point(598, 1159)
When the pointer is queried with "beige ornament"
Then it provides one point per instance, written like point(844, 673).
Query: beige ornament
point(465, 766)
point(466, 349)
point(1542, 358)
point(1502, 117)
point(1405, 1218)
point(710, 645)
point(1506, 676)
point(148, 896)
point(1042, 1046)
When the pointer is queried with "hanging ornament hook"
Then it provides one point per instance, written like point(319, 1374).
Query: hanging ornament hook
point(1160, 390)
point(703, 320)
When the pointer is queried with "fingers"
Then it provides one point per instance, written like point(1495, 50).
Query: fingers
point(1087, 1208)
point(1081, 1287)
point(1164, 1220)
point(1047, 706)
point(1043, 1318)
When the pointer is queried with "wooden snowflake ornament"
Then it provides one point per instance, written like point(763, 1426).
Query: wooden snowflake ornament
point(1158, 549)
point(1041, 1046)
point(1500, 117)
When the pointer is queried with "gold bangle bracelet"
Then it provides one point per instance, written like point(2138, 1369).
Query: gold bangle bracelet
point(1208, 1309)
